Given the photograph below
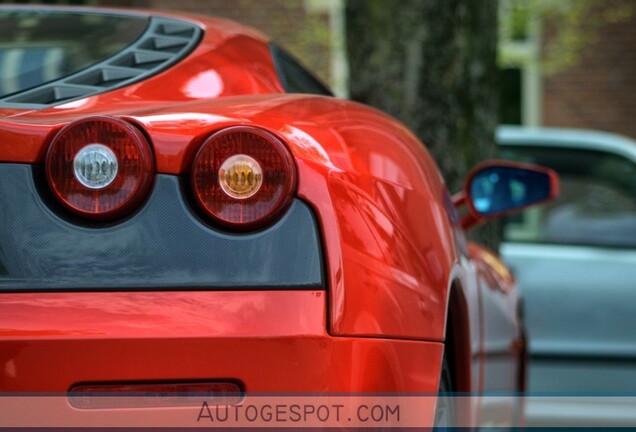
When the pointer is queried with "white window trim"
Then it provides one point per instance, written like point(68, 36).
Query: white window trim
point(526, 55)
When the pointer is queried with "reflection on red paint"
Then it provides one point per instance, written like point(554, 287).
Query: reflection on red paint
point(208, 84)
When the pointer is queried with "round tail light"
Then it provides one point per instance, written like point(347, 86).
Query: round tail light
point(243, 177)
point(99, 167)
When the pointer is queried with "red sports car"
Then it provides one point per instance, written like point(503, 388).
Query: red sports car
point(184, 208)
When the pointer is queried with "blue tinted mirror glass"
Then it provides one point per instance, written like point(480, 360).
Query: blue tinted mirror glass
point(500, 189)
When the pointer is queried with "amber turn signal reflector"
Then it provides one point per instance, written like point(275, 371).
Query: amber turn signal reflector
point(240, 176)
point(243, 177)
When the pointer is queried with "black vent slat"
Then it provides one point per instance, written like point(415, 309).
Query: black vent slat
point(106, 77)
point(165, 42)
point(144, 57)
point(174, 29)
point(52, 94)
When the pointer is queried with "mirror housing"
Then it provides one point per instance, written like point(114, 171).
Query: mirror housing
point(498, 188)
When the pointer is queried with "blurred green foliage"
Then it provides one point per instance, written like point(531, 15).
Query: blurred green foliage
point(572, 25)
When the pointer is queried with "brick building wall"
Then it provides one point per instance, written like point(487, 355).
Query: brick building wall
point(599, 92)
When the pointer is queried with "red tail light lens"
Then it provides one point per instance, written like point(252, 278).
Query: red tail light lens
point(243, 177)
point(99, 167)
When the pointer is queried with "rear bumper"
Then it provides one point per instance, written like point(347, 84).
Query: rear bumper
point(270, 341)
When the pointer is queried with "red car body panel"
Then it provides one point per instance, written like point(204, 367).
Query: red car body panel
point(394, 251)
point(277, 342)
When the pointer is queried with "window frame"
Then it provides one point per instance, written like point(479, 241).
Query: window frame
point(280, 55)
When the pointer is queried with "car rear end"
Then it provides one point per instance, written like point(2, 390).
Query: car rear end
point(120, 277)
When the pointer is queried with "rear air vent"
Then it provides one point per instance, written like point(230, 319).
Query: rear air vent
point(165, 42)
point(54, 94)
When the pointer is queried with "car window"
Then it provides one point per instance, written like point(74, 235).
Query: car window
point(596, 206)
point(294, 77)
point(38, 46)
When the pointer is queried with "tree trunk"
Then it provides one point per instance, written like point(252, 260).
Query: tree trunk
point(431, 64)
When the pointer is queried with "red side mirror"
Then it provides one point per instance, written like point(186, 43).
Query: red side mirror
point(498, 188)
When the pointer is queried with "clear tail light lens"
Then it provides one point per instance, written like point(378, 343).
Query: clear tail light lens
point(243, 177)
point(99, 167)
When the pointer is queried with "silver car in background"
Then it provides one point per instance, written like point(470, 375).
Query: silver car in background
point(575, 260)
